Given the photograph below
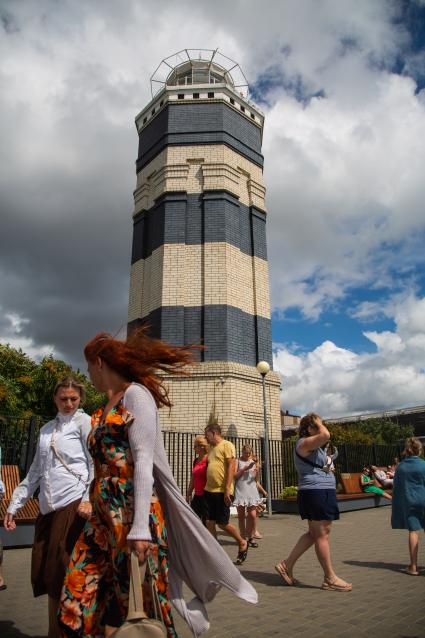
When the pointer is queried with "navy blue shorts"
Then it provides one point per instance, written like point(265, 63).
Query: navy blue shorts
point(318, 505)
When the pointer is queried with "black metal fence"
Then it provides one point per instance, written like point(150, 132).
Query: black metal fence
point(18, 438)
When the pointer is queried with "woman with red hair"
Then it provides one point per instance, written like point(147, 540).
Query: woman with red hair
point(130, 461)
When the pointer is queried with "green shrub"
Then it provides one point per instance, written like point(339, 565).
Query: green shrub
point(288, 491)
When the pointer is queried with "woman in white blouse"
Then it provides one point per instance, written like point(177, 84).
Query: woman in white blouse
point(63, 470)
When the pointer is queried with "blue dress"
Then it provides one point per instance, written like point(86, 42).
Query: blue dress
point(408, 505)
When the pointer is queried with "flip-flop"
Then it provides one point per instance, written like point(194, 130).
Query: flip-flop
point(3, 587)
point(283, 573)
point(407, 571)
point(327, 586)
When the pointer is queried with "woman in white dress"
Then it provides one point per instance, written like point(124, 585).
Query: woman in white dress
point(246, 497)
point(63, 469)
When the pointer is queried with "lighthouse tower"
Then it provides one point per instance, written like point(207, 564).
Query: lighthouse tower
point(199, 269)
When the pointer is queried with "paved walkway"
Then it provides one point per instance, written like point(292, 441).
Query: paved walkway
point(383, 604)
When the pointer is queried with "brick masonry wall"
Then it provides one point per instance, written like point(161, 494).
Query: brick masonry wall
point(232, 391)
point(227, 332)
point(194, 169)
point(184, 123)
point(213, 216)
point(196, 275)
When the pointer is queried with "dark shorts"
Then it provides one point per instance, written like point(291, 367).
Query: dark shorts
point(200, 507)
point(318, 505)
point(218, 511)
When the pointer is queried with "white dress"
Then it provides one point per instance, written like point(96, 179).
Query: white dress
point(246, 492)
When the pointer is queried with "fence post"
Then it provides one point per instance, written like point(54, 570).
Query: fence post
point(374, 454)
point(344, 457)
point(30, 443)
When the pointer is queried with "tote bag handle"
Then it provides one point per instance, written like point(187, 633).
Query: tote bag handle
point(135, 602)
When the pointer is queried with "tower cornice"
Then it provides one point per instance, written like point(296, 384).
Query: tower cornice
point(205, 94)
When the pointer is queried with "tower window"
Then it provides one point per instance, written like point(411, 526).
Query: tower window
point(210, 94)
point(196, 96)
point(180, 96)
point(232, 101)
point(145, 119)
point(153, 112)
point(161, 103)
point(253, 116)
point(242, 109)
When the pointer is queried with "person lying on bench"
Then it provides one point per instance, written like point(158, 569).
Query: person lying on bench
point(382, 477)
point(371, 485)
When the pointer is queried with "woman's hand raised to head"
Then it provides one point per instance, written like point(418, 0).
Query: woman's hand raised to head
point(318, 436)
point(141, 548)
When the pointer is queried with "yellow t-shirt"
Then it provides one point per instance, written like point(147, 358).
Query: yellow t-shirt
point(217, 463)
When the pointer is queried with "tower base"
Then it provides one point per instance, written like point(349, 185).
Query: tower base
point(230, 392)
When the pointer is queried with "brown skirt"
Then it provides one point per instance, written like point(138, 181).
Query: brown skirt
point(55, 536)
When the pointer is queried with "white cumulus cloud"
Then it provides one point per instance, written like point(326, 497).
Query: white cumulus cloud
point(337, 381)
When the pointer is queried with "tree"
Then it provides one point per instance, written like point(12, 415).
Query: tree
point(26, 387)
point(368, 431)
point(16, 370)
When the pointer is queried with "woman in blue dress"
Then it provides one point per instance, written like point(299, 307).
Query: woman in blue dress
point(408, 506)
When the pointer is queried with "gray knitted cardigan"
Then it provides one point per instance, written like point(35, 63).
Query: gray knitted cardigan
point(195, 557)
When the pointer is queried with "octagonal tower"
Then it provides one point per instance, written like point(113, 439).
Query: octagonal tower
point(199, 269)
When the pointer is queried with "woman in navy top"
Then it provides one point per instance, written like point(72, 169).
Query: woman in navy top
point(408, 506)
point(316, 502)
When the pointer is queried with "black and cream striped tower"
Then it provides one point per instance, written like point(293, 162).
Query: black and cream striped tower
point(199, 262)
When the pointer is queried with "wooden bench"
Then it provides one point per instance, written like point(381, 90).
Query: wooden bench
point(352, 499)
point(351, 483)
point(25, 517)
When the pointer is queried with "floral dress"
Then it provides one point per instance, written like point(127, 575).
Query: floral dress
point(96, 586)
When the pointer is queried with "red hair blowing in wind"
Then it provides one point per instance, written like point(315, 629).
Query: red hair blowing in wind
point(139, 358)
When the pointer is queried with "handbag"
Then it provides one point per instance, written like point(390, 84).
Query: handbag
point(138, 624)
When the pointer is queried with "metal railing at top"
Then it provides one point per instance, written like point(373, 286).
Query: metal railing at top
point(18, 439)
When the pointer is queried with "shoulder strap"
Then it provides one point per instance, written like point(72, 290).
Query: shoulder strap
point(60, 457)
point(319, 467)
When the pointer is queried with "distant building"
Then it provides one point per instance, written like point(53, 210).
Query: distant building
point(406, 416)
point(289, 423)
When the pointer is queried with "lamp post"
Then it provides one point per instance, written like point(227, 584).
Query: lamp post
point(263, 368)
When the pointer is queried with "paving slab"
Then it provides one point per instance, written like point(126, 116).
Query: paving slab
point(384, 603)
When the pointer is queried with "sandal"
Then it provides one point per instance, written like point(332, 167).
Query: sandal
point(333, 586)
point(252, 543)
point(242, 554)
point(284, 574)
point(406, 570)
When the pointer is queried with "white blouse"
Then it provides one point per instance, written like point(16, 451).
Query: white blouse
point(58, 485)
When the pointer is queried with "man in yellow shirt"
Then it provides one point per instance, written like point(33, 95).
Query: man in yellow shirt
point(219, 487)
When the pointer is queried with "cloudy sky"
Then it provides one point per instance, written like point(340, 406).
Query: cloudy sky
point(342, 87)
